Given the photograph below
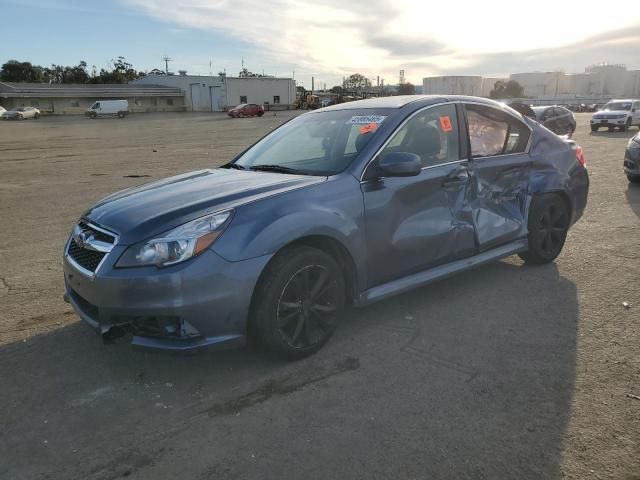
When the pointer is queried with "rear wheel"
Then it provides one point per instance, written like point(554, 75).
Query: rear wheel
point(548, 225)
point(633, 178)
point(298, 302)
point(120, 114)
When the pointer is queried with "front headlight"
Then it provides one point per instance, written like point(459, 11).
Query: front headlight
point(177, 245)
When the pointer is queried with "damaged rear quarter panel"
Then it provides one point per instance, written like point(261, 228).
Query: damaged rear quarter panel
point(555, 169)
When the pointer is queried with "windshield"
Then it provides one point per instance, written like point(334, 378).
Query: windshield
point(617, 106)
point(322, 143)
point(18, 109)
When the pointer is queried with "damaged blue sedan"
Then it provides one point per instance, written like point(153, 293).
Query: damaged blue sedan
point(345, 205)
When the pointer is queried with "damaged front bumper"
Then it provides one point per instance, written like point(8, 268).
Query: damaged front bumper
point(202, 302)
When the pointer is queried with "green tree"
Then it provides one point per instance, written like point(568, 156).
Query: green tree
point(15, 71)
point(338, 89)
point(246, 73)
point(407, 89)
point(508, 89)
point(357, 81)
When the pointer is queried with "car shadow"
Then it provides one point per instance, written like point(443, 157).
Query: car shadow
point(633, 197)
point(471, 377)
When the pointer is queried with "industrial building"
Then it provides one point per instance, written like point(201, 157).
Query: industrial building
point(65, 99)
point(459, 85)
point(597, 81)
point(219, 93)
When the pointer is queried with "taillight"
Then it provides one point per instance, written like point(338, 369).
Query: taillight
point(582, 160)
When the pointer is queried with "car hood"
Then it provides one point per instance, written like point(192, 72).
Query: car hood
point(141, 212)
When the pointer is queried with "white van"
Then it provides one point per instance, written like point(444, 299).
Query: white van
point(108, 107)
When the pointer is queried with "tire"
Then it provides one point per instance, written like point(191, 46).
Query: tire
point(260, 114)
point(626, 126)
point(93, 115)
point(548, 224)
point(633, 178)
point(594, 128)
point(286, 316)
point(120, 114)
point(36, 116)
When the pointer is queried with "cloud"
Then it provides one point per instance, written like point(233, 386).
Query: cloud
point(337, 37)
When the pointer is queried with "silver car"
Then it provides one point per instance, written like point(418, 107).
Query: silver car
point(21, 113)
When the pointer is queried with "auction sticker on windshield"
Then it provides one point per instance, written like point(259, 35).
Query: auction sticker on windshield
point(366, 119)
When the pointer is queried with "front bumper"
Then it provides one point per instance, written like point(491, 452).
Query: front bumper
point(631, 164)
point(608, 122)
point(203, 301)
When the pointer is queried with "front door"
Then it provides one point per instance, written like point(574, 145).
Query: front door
point(499, 173)
point(413, 223)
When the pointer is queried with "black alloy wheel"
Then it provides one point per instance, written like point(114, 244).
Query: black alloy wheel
point(298, 302)
point(307, 306)
point(548, 225)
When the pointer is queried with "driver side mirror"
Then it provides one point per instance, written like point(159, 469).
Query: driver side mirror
point(399, 164)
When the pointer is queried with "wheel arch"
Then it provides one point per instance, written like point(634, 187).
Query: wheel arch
point(332, 247)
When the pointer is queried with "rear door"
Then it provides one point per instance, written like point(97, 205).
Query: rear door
point(500, 167)
point(413, 223)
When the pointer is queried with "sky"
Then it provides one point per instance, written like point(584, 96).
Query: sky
point(327, 40)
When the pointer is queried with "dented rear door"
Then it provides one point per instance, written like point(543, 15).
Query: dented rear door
point(499, 175)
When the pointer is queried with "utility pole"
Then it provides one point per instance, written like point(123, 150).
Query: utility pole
point(312, 84)
point(166, 64)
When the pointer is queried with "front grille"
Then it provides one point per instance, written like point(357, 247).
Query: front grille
point(97, 234)
point(87, 259)
point(84, 237)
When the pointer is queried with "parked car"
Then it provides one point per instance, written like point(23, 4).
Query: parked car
point(557, 119)
point(632, 159)
point(620, 114)
point(246, 110)
point(345, 205)
point(2, 110)
point(21, 113)
point(111, 108)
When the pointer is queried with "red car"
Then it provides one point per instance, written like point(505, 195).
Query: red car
point(246, 110)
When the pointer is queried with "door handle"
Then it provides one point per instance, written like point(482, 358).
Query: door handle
point(456, 179)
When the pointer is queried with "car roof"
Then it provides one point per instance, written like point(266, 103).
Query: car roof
point(402, 100)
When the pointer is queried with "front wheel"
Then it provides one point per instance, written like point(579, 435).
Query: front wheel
point(626, 126)
point(298, 302)
point(548, 225)
point(260, 114)
point(36, 116)
point(594, 128)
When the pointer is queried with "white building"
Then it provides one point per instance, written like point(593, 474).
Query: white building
point(474, 85)
point(204, 93)
point(261, 90)
point(603, 80)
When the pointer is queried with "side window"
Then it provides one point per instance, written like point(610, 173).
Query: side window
point(432, 134)
point(492, 132)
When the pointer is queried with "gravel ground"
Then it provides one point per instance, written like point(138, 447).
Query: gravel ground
point(507, 371)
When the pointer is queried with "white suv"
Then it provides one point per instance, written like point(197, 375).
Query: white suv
point(617, 113)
